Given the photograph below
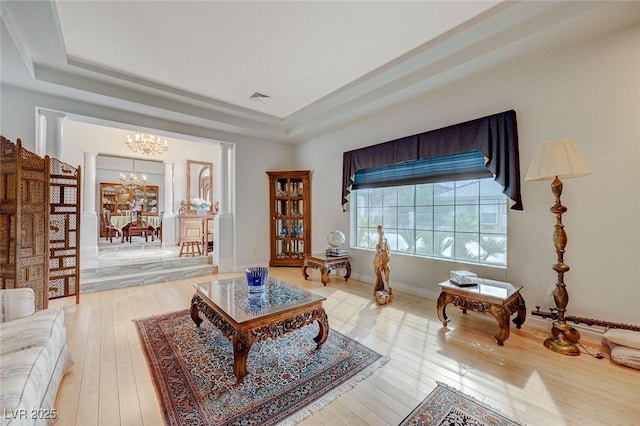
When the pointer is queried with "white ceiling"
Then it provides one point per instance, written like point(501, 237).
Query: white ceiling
point(297, 52)
point(323, 63)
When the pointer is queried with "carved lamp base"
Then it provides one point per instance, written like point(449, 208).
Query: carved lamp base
point(564, 339)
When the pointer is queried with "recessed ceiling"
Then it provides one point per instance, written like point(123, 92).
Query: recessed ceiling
point(297, 52)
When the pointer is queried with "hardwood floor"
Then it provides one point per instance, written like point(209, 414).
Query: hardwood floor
point(109, 384)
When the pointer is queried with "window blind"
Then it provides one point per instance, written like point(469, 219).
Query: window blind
point(445, 168)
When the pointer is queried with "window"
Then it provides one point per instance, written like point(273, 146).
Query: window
point(465, 220)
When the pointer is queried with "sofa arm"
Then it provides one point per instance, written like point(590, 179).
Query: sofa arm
point(16, 303)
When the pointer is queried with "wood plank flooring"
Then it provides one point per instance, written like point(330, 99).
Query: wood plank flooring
point(109, 384)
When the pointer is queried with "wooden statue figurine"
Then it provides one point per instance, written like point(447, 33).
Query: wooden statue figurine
point(382, 289)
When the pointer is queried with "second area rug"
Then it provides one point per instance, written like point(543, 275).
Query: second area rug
point(446, 406)
point(192, 370)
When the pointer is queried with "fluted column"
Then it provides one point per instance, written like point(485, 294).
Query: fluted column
point(89, 173)
point(168, 188)
point(50, 133)
point(168, 217)
point(226, 177)
point(225, 221)
point(89, 235)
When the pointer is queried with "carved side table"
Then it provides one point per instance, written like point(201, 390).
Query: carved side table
point(326, 264)
point(498, 298)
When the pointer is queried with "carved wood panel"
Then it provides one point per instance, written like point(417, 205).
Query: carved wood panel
point(64, 231)
point(24, 220)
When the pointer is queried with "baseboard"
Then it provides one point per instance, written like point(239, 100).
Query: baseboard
point(590, 334)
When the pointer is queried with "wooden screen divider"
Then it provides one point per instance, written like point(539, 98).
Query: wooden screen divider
point(24, 220)
point(64, 231)
point(26, 226)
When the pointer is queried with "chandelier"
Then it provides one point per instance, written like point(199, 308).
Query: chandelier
point(146, 144)
point(132, 181)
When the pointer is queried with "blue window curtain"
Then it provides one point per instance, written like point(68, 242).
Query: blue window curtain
point(494, 136)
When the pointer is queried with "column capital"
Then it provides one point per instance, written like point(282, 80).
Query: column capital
point(49, 141)
point(51, 114)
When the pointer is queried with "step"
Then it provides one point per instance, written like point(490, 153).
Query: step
point(154, 276)
point(142, 265)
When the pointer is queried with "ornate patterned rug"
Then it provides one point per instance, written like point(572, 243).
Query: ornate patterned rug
point(446, 406)
point(192, 370)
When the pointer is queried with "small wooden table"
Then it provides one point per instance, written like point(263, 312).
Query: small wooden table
point(246, 318)
point(499, 298)
point(326, 264)
point(137, 228)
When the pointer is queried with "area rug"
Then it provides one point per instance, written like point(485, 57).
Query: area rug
point(289, 378)
point(446, 406)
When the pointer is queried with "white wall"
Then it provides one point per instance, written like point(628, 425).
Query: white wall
point(252, 198)
point(591, 93)
point(252, 161)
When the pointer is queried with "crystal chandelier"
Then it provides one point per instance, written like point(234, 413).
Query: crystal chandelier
point(132, 181)
point(146, 144)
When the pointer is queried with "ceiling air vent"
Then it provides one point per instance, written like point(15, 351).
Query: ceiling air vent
point(260, 97)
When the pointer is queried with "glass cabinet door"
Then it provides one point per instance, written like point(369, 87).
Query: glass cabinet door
point(289, 217)
point(109, 198)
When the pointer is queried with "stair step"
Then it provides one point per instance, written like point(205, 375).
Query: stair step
point(109, 269)
point(101, 282)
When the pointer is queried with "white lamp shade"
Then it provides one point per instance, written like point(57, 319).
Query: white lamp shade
point(559, 158)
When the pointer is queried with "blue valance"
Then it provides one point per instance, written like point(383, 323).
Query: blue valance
point(494, 136)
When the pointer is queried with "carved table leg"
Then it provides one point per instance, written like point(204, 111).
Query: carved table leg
point(501, 314)
point(348, 274)
point(304, 270)
point(443, 300)
point(323, 322)
point(241, 347)
point(324, 271)
point(522, 312)
point(194, 311)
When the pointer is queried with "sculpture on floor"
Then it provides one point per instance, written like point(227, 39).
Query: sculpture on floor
point(382, 289)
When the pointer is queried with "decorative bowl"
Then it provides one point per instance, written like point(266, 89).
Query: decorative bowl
point(257, 277)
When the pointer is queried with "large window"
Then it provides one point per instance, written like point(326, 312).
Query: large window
point(463, 220)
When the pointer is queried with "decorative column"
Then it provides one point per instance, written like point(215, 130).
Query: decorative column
point(168, 217)
point(50, 133)
point(226, 176)
point(89, 234)
point(225, 221)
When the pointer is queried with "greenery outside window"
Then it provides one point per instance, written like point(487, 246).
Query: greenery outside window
point(464, 220)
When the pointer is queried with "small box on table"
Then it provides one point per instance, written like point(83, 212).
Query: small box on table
point(463, 278)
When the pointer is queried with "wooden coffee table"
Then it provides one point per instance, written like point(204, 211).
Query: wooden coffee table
point(500, 299)
point(246, 318)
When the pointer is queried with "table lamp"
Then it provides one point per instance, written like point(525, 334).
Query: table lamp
point(554, 160)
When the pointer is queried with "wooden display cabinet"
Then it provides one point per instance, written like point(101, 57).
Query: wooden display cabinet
point(116, 199)
point(290, 217)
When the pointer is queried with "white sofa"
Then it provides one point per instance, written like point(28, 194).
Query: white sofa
point(34, 358)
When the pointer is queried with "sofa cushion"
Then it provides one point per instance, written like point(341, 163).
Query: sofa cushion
point(31, 351)
point(34, 330)
point(628, 338)
point(625, 356)
point(16, 303)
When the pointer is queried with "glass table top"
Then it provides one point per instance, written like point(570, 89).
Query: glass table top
point(489, 288)
point(232, 296)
